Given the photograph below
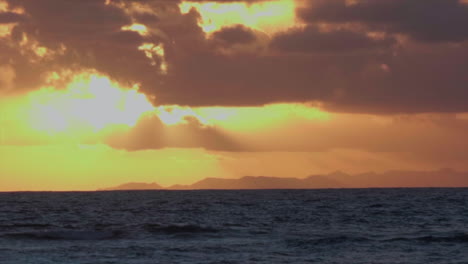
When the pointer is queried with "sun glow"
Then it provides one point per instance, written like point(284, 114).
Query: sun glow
point(92, 108)
point(241, 118)
point(156, 54)
point(173, 115)
point(89, 101)
point(139, 28)
point(6, 28)
point(269, 17)
point(259, 117)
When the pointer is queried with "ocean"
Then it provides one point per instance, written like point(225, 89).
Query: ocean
point(254, 226)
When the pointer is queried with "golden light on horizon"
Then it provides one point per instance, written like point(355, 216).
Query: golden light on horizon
point(268, 16)
point(75, 167)
point(99, 93)
point(88, 101)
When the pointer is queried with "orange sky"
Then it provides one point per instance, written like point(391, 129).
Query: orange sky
point(84, 123)
point(64, 139)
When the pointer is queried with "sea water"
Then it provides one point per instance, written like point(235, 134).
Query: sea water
point(264, 226)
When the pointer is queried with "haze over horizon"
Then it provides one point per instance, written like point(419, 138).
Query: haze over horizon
point(98, 93)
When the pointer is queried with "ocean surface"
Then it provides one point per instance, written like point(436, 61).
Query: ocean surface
point(265, 226)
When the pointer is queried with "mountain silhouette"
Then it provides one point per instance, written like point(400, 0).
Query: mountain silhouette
point(262, 182)
point(134, 186)
point(389, 179)
point(398, 178)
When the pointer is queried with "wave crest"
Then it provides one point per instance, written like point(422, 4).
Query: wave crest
point(67, 235)
point(177, 229)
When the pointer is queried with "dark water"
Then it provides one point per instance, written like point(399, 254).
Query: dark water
point(280, 226)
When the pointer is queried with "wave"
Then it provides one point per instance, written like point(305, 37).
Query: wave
point(25, 226)
point(455, 238)
point(301, 243)
point(177, 229)
point(67, 235)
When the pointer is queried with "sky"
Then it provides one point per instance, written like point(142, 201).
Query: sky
point(96, 93)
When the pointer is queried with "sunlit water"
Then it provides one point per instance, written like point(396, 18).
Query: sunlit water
point(279, 226)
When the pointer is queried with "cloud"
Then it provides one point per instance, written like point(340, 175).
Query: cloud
point(234, 35)
point(151, 133)
point(289, 128)
point(7, 77)
point(10, 17)
point(349, 57)
point(424, 20)
point(312, 40)
point(429, 136)
point(424, 137)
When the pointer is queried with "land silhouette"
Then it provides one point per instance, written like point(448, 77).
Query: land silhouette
point(389, 179)
point(136, 186)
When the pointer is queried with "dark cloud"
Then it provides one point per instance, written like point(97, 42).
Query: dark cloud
point(311, 40)
point(10, 17)
point(424, 20)
point(429, 136)
point(90, 32)
point(385, 78)
point(342, 68)
point(146, 18)
point(59, 20)
point(126, 38)
point(151, 133)
point(405, 80)
point(235, 35)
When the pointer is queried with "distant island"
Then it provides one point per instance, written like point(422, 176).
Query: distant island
point(134, 186)
point(389, 179)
